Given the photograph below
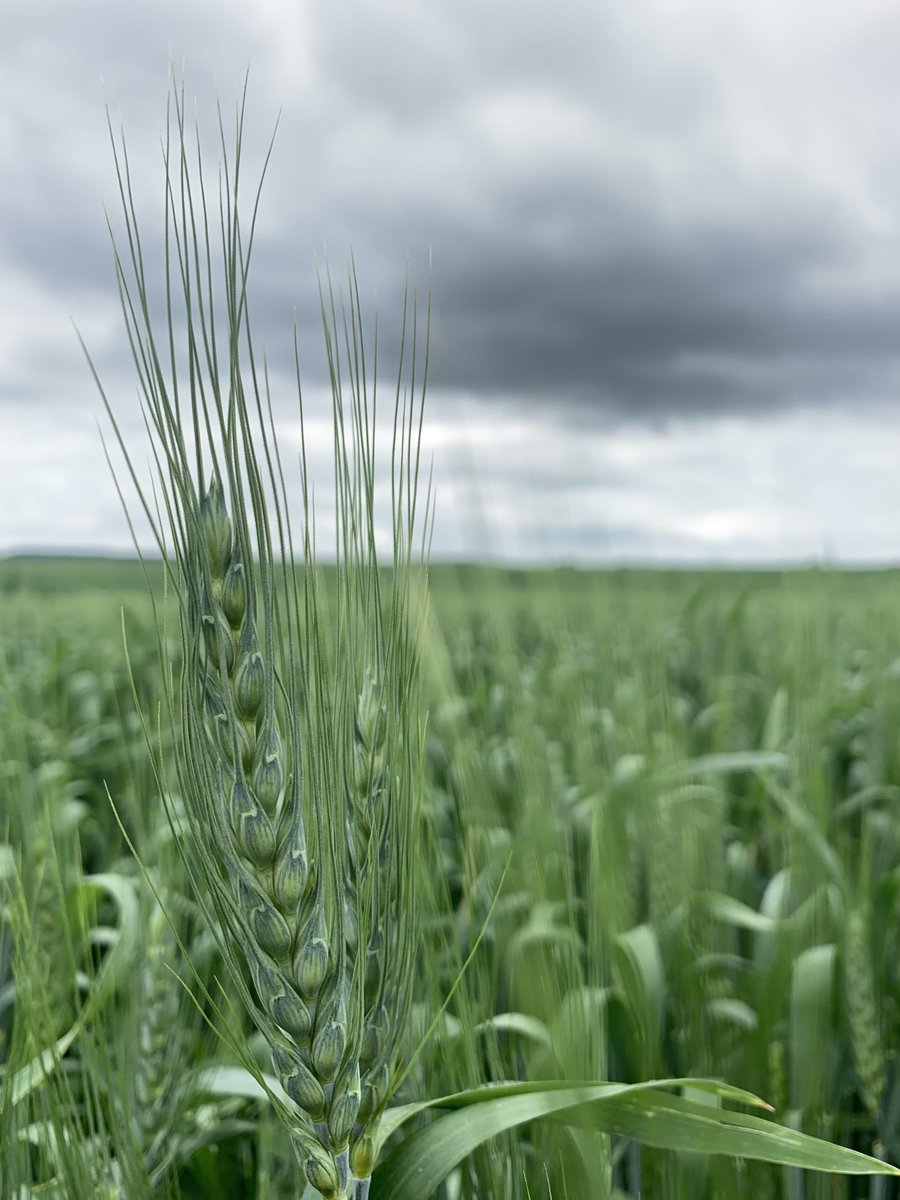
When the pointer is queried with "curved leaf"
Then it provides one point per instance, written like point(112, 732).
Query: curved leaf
point(734, 912)
point(725, 764)
point(124, 941)
point(417, 1166)
point(519, 1023)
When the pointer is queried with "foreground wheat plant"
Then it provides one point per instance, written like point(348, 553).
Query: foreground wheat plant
point(299, 760)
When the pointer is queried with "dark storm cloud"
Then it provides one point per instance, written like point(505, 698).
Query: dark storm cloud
point(619, 217)
point(631, 209)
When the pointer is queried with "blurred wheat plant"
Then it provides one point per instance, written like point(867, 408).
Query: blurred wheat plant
point(296, 706)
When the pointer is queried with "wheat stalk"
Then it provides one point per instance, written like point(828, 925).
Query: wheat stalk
point(299, 747)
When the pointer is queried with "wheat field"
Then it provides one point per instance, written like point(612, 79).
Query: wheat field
point(329, 872)
point(659, 825)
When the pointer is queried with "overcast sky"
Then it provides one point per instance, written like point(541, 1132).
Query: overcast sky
point(664, 237)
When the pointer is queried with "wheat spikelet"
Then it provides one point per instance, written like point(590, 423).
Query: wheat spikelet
point(156, 1071)
point(45, 934)
point(48, 907)
point(862, 1010)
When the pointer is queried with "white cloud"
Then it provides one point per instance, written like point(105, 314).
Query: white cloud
point(802, 485)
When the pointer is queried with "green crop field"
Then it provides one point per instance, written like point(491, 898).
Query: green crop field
point(659, 812)
point(326, 873)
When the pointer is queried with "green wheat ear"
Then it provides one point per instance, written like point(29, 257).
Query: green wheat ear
point(299, 746)
point(862, 1010)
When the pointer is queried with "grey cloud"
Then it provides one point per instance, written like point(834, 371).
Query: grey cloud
point(627, 215)
point(642, 268)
